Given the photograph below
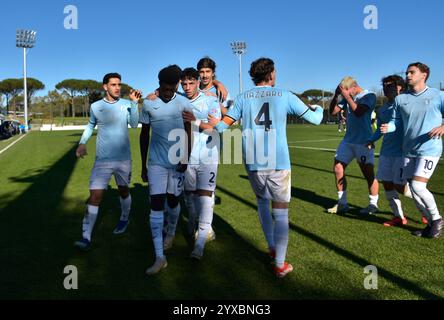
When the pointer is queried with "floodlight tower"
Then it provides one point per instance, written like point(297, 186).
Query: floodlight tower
point(239, 48)
point(25, 39)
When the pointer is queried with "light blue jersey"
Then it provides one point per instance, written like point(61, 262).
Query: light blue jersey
point(417, 115)
point(112, 119)
point(213, 90)
point(203, 106)
point(359, 129)
point(164, 118)
point(264, 111)
point(392, 142)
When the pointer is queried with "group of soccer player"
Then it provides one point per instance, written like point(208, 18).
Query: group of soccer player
point(180, 142)
point(412, 125)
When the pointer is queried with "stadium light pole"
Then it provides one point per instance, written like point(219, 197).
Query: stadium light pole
point(239, 48)
point(25, 39)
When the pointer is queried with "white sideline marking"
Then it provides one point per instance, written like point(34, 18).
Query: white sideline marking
point(9, 146)
point(314, 140)
point(319, 149)
point(312, 148)
point(324, 149)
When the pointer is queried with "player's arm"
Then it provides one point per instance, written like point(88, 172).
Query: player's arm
point(222, 92)
point(375, 137)
point(87, 133)
point(183, 164)
point(357, 109)
point(133, 116)
point(438, 132)
point(221, 124)
point(233, 114)
point(153, 95)
point(312, 114)
point(189, 117)
point(144, 142)
point(395, 121)
point(334, 107)
point(223, 109)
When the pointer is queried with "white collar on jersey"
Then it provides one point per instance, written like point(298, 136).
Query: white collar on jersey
point(206, 90)
point(197, 97)
point(419, 93)
point(104, 99)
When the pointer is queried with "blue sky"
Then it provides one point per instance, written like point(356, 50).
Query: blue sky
point(313, 43)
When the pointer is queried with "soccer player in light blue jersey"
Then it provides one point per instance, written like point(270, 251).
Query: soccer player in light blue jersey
point(111, 115)
point(359, 105)
point(168, 158)
point(200, 177)
point(264, 111)
point(419, 113)
point(208, 83)
point(390, 166)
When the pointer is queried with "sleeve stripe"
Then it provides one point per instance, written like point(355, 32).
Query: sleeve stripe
point(304, 112)
point(230, 117)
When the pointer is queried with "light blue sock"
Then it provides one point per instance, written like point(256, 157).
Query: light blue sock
point(156, 223)
point(205, 219)
point(173, 217)
point(266, 220)
point(280, 235)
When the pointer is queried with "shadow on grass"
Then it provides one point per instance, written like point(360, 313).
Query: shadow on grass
point(406, 284)
point(33, 243)
point(328, 171)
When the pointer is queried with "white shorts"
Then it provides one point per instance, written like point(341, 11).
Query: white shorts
point(346, 152)
point(273, 185)
point(103, 170)
point(201, 177)
point(391, 169)
point(419, 166)
point(162, 180)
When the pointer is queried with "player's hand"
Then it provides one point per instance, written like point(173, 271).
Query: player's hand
point(144, 175)
point(212, 120)
point(370, 145)
point(222, 92)
point(437, 132)
point(81, 151)
point(153, 95)
point(188, 116)
point(344, 92)
point(384, 128)
point(181, 167)
point(135, 95)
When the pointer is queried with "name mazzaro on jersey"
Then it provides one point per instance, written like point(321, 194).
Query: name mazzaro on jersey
point(262, 94)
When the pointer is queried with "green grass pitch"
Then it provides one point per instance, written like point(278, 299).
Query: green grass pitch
point(43, 192)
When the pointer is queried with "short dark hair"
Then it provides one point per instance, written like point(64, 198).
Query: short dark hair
point(170, 74)
point(261, 70)
point(422, 67)
point(109, 76)
point(398, 80)
point(206, 62)
point(189, 73)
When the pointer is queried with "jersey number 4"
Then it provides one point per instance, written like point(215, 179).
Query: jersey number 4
point(265, 111)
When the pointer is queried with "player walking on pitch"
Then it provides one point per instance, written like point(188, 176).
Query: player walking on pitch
point(111, 115)
point(264, 111)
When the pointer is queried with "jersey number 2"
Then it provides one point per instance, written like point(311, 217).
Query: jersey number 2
point(265, 110)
